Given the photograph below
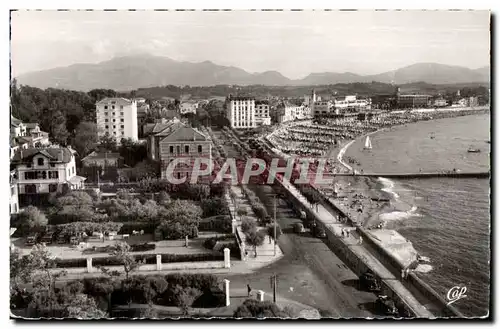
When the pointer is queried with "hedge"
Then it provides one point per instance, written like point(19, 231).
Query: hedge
point(148, 258)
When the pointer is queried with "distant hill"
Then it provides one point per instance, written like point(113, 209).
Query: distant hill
point(142, 71)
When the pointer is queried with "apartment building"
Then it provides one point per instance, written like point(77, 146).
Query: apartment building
point(46, 170)
point(351, 104)
point(321, 108)
point(262, 116)
point(188, 107)
point(117, 117)
point(241, 112)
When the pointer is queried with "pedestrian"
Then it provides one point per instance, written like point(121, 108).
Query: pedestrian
point(270, 240)
point(342, 232)
point(249, 290)
point(348, 232)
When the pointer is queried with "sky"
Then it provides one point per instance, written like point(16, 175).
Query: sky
point(294, 43)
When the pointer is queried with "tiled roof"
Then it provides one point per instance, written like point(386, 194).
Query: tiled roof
point(50, 153)
point(184, 134)
point(118, 100)
point(102, 155)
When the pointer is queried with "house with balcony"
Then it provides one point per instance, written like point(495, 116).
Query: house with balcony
point(26, 135)
point(42, 171)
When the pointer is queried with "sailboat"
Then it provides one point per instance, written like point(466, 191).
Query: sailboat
point(368, 143)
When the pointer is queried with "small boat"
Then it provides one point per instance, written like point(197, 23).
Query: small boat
point(368, 143)
point(471, 150)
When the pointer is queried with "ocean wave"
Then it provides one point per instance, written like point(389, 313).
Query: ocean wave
point(399, 215)
point(423, 268)
point(388, 186)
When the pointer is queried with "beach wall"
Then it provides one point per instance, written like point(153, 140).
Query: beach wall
point(412, 282)
point(354, 261)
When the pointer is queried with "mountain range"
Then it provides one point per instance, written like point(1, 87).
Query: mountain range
point(141, 71)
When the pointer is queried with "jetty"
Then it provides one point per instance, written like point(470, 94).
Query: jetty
point(422, 175)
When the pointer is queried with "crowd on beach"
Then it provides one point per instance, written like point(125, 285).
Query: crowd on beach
point(326, 135)
point(317, 138)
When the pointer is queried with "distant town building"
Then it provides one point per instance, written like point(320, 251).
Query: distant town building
point(117, 117)
point(262, 114)
point(440, 102)
point(241, 112)
point(188, 107)
point(103, 159)
point(321, 108)
point(174, 139)
point(412, 101)
point(351, 104)
point(46, 170)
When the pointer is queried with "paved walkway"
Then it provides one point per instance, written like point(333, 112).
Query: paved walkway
point(266, 252)
point(331, 221)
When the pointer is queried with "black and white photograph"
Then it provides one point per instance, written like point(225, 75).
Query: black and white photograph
point(250, 164)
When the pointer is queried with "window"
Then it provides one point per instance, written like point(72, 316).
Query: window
point(106, 120)
point(73, 169)
point(199, 149)
point(69, 172)
point(171, 149)
point(122, 126)
point(12, 190)
point(114, 126)
point(121, 108)
point(114, 113)
point(121, 120)
point(105, 107)
point(107, 126)
point(30, 189)
point(114, 120)
point(40, 161)
point(178, 149)
point(53, 174)
point(113, 107)
point(52, 188)
point(178, 175)
point(186, 148)
point(114, 132)
point(106, 113)
point(121, 113)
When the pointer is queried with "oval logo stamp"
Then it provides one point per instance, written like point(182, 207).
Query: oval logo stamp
point(456, 293)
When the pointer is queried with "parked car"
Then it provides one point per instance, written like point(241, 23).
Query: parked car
point(74, 240)
point(298, 228)
point(369, 281)
point(48, 238)
point(32, 239)
point(319, 233)
point(386, 306)
point(62, 239)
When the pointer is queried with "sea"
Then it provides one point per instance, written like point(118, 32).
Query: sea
point(446, 219)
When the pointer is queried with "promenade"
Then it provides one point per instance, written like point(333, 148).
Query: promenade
point(331, 222)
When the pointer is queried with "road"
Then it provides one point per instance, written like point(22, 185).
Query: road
point(309, 272)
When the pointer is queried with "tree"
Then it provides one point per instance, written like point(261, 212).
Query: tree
point(270, 231)
point(86, 138)
point(31, 219)
point(248, 224)
point(122, 254)
point(38, 268)
point(81, 306)
point(108, 142)
point(58, 131)
point(255, 238)
point(255, 309)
